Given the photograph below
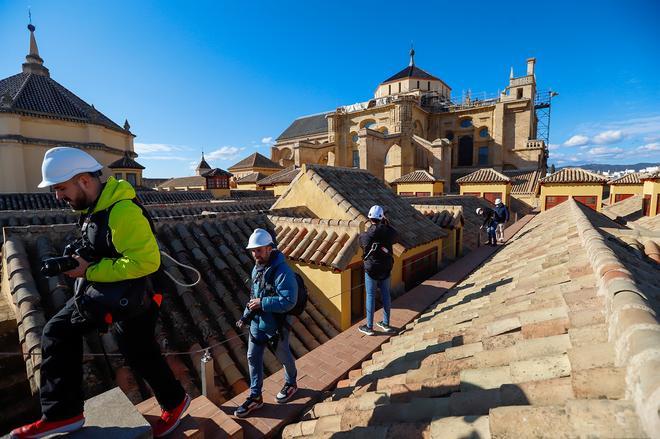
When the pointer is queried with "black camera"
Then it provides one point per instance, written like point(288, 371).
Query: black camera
point(54, 266)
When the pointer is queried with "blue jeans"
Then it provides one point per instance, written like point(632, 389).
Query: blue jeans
point(490, 230)
point(370, 285)
point(255, 356)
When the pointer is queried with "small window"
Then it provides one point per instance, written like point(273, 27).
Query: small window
point(519, 92)
point(131, 177)
point(399, 87)
point(355, 138)
point(356, 158)
point(466, 123)
point(483, 155)
point(389, 89)
point(428, 85)
point(118, 175)
point(483, 132)
point(449, 135)
point(417, 84)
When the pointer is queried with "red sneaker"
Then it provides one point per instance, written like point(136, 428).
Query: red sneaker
point(169, 419)
point(43, 427)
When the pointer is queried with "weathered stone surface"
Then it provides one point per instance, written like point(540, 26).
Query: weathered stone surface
point(604, 418)
point(588, 335)
point(529, 422)
point(600, 382)
point(542, 368)
point(485, 378)
point(590, 356)
point(461, 426)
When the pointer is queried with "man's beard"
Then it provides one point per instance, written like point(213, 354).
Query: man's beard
point(80, 202)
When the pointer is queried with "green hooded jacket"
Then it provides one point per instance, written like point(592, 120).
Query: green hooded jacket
point(131, 236)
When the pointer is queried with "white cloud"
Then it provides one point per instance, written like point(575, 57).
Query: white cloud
point(577, 140)
point(267, 140)
point(655, 146)
point(553, 146)
point(609, 136)
point(224, 153)
point(604, 150)
point(147, 148)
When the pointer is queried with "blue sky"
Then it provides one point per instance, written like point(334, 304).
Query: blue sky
point(229, 77)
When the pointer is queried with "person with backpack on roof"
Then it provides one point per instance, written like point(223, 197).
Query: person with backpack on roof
point(490, 223)
point(111, 287)
point(501, 218)
point(378, 259)
point(276, 293)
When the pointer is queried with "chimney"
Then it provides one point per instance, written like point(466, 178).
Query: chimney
point(530, 66)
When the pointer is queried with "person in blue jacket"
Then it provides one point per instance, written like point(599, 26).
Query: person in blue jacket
point(274, 293)
point(501, 218)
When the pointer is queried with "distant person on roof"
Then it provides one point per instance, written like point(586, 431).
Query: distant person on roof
point(376, 245)
point(501, 218)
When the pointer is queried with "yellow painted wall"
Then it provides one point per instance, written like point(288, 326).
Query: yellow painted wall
point(481, 188)
point(329, 290)
point(572, 190)
point(20, 163)
point(248, 187)
point(306, 193)
point(618, 189)
point(278, 189)
point(432, 188)
point(122, 174)
point(652, 188)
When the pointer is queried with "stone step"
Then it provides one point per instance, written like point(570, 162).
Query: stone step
point(112, 415)
point(401, 430)
point(577, 418)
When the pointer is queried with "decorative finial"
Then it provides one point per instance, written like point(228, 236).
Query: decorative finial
point(33, 62)
point(127, 126)
point(511, 74)
point(412, 55)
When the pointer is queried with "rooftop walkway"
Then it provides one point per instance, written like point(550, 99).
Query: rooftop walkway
point(323, 367)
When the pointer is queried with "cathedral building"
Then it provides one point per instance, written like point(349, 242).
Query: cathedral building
point(413, 123)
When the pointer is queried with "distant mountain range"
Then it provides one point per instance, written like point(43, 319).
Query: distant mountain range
point(597, 167)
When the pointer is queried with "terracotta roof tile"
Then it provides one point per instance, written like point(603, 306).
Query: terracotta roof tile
point(570, 334)
point(524, 182)
point(250, 178)
point(284, 176)
point(631, 178)
point(254, 160)
point(356, 190)
point(486, 175)
point(191, 181)
point(419, 176)
point(573, 175)
point(447, 217)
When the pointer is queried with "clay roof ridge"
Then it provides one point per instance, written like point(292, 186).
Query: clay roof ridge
point(484, 175)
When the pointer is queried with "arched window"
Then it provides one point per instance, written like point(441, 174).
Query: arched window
point(465, 152)
point(354, 137)
point(370, 125)
point(483, 132)
point(466, 123)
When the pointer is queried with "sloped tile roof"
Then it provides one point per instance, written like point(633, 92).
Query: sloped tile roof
point(472, 221)
point(250, 178)
point(306, 126)
point(485, 175)
point(524, 182)
point(191, 181)
point(286, 175)
point(574, 175)
point(629, 209)
point(447, 217)
point(357, 190)
point(551, 341)
point(631, 178)
point(217, 172)
point(190, 318)
point(152, 197)
point(254, 160)
point(411, 72)
point(30, 201)
point(125, 162)
point(419, 176)
point(41, 96)
point(331, 243)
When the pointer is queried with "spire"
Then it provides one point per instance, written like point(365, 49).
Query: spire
point(511, 74)
point(33, 62)
point(127, 126)
point(412, 56)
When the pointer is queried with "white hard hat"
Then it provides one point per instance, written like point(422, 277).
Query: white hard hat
point(259, 238)
point(63, 163)
point(479, 210)
point(498, 201)
point(376, 212)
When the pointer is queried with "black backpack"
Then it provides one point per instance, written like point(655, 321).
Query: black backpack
point(301, 300)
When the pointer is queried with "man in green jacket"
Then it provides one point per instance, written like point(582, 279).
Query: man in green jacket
point(109, 289)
